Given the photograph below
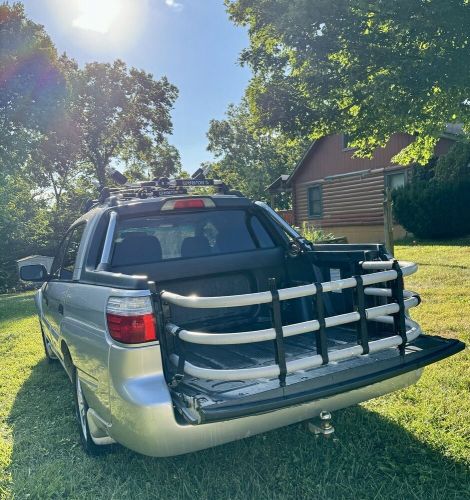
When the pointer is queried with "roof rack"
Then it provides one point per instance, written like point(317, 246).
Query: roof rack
point(155, 188)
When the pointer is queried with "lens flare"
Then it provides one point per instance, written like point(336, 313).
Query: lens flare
point(97, 15)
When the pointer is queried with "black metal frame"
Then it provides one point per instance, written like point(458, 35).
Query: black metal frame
point(397, 287)
point(362, 332)
point(399, 320)
point(280, 352)
point(320, 334)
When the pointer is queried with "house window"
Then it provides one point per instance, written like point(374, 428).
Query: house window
point(315, 202)
point(395, 181)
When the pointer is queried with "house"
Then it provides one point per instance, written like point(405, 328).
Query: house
point(344, 195)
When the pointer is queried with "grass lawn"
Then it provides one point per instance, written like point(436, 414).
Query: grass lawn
point(411, 444)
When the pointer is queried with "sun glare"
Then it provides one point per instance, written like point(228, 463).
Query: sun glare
point(97, 15)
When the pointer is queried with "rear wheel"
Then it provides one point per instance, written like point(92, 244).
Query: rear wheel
point(81, 408)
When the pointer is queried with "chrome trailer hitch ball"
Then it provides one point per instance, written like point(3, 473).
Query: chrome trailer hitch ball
point(324, 427)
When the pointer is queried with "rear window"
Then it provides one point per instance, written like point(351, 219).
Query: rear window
point(186, 235)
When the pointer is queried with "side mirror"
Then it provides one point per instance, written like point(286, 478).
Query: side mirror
point(35, 272)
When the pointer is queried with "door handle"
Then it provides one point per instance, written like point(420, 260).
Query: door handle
point(61, 309)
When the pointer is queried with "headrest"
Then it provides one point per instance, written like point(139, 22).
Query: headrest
point(137, 248)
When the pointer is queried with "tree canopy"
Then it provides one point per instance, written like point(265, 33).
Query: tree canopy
point(371, 68)
point(32, 85)
point(122, 108)
point(249, 160)
point(60, 127)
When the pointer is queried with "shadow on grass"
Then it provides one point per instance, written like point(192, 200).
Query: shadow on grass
point(374, 458)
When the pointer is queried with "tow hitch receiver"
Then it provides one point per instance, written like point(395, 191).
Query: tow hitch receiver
point(324, 427)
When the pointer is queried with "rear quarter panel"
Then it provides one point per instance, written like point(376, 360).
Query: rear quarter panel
point(84, 331)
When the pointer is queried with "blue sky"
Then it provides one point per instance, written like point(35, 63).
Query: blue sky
point(192, 42)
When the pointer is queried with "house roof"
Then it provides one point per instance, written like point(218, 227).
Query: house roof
point(279, 183)
point(302, 160)
point(33, 257)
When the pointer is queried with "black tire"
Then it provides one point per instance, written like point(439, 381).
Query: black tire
point(81, 408)
point(50, 356)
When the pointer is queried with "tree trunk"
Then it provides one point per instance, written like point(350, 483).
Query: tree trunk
point(100, 167)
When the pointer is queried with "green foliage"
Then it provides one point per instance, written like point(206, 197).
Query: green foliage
point(369, 68)
point(161, 160)
point(60, 127)
point(31, 85)
point(122, 107)
point(23, 226)
point(434, 209)
point(455, 164)
point(249, 160)
point(313, 234)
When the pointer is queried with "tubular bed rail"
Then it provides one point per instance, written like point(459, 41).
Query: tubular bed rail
point(393, 313)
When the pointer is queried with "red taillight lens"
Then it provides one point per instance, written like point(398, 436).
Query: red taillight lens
point(131, 319)
point(132, 329)
point(197, 203)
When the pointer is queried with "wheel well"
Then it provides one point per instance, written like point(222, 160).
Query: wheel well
point(68, 363)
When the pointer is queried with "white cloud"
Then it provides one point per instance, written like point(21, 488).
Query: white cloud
point(173, 4)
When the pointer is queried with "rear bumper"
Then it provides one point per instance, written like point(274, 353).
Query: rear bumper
point(153, 430)
point(144, 419)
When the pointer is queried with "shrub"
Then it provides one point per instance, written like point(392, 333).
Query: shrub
point(434, 209)
point(455, 164)
point(313, 234)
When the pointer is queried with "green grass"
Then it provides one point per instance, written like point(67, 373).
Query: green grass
point(411, 444)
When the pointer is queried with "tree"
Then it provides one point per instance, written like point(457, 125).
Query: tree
point(160, 160)
point(370, 68)
point(58, 125)
point(246, 159)
point(121, 109)
point(31, 85)
point(57, 158)
point(23, 226)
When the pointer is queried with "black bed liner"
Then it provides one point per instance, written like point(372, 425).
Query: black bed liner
point(346, 377)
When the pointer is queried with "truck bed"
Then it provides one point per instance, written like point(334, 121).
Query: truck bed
point(221, 400)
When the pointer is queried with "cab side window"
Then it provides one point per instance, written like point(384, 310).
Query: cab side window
point(64, 262)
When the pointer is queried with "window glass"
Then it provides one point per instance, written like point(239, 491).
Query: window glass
point(395, 181)
point(261, 234)
point(315, 203)
point(179, 236)
point(64, 263)
point(55, 268)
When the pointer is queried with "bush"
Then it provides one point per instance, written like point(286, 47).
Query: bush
point(434, 209)
point(315, 235)
point(455, 165)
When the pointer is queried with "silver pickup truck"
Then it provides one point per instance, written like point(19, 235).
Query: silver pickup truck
point(186, 321)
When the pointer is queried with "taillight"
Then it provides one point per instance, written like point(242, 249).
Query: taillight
point(131, 319)
point(188, 203)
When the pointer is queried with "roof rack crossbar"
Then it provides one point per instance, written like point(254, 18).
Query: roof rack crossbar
point(158, 187)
